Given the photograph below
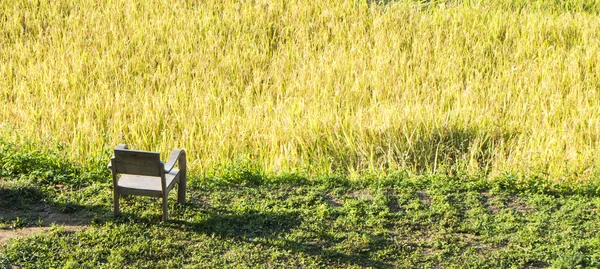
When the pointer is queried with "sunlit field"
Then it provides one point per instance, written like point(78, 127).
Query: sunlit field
point(315, 87)
point(319, 134)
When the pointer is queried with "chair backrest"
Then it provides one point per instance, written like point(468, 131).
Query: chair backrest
point(144, 163)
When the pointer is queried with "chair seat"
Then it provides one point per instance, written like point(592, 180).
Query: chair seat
point(146, 185)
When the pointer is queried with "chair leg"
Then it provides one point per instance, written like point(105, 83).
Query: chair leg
point(116, 202)
point(181, 191)
point(165, 208)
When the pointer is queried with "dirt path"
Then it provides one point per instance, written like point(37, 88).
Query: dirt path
point(5, 235)
point(37, 217)
point(70, 222)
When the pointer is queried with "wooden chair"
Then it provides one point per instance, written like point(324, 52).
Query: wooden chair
point(142, 173)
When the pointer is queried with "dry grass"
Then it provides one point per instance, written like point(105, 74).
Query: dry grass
point(321, 87)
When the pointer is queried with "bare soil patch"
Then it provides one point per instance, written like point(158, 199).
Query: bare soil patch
point(361, 194)
point(332, 200)
point(423, 197)
point(40, 222)
point(519, 205)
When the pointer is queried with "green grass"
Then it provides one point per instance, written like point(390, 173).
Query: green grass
point(392, 221)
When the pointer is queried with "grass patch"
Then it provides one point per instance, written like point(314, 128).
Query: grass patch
point(412, 224)
point(398, 220)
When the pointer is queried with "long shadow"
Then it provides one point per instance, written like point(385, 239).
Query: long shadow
point(454, 148)
point(450, 149)
point(20, 197)
point(268, 229)
point(29, 205)
point(241, 226)
point(249, 226)
point(361, 258)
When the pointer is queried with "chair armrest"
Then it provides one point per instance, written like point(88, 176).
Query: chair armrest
point(176, 155)
point(119, 146)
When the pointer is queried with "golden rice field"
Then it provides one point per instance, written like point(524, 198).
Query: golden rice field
point(310, 86)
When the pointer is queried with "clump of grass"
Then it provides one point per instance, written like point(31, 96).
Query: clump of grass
point(325, 87)
point(244, 218)
point(397, 221)
point(48, 168)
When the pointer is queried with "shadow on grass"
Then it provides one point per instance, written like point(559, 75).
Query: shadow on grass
point(25, 205)
point(268, 229)
point(455, 148)
point(249, 225)
point(359, 258)
point(38, 208)
point(444, 150)
point(20, 197)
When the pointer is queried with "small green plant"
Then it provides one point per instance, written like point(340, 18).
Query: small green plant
point(18, 161)
point(242, 172)
point(13, 223)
